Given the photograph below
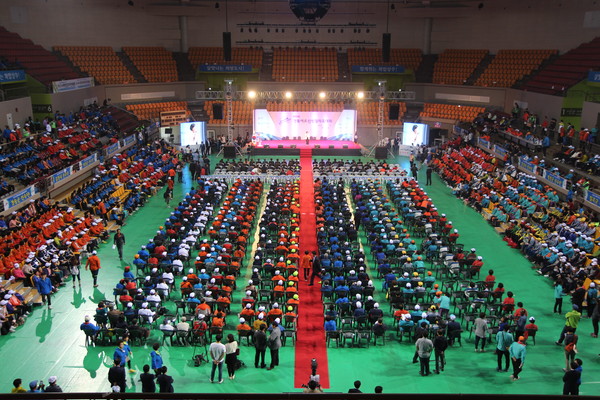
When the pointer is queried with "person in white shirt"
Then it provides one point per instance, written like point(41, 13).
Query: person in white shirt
point(231, 353)
point(166, 326)
point(178, 265)
point(162, 288)
point(217, 353)
point(153, 296)
point(183, 251)
point(168, 277)
point(183, 325)
point(146, 312)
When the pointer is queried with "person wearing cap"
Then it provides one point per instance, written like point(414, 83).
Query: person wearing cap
point(517, 352)
point(572, 321)
point(93, 264)
point(531, 329)
point(592, 298)
point(52, 386)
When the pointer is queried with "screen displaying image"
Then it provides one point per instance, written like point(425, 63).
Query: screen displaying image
point(276, 125)
point(192, 133)
point(415, 134)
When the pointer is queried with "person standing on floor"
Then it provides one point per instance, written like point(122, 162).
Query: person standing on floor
point(231, 352)
point(119, 242)
point(260, 344)
point(572, 321)
point(157, 361)
point(424, 347)
point(440, 344)
point(572, 380)
point(44, 287)
point(147, 379)
point(217, 353)
point(93, 264)
point(596, 319)
point(503, 341)
point(558, 296)
point(316, 268)
point(481, 327)
point(517, 353)
point(428, 173)
point(165, 382)
point(274, 345)
point(117, 376)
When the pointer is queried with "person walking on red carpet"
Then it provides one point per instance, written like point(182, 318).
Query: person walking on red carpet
point(316, 268)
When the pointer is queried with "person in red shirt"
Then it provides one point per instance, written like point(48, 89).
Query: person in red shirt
point(93, 264)
point(508, 305)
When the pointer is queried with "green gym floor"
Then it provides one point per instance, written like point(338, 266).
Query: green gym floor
point(50, 342)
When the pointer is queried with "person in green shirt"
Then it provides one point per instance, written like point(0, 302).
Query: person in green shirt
point(517, 353)
point(572, 321)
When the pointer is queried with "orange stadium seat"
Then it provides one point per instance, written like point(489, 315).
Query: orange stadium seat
point(450, 111)
point(152, 110)
point(155, 63)
point(305, 65)
point(101, 62)
point(455, 66)
point(368, 113)
point(509, 66)
point(214, 55)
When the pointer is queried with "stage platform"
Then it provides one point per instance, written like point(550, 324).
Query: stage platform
point(335, 148)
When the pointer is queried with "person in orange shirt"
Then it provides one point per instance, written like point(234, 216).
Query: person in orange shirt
point(186, 287)
point(247, 312)
point(218, 320)
point(93, 264)
point(243, 326)
point(275, 312)
point(203, 308)
point(305, 264)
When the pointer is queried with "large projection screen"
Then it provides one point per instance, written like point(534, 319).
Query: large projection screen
point(281, 125)
point(192, 133)
point(415, 134)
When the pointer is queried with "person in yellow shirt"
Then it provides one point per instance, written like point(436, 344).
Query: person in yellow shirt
point(17, 386)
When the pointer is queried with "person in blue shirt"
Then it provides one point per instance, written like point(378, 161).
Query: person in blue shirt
point(330, 325)
point(120, 354)
point(517, 353)
point(44, 287)
point(128, 274)
point(156, 358)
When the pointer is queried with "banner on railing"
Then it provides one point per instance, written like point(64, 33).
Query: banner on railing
point(592, 198)
point(555, 179)
point(225, 68)
point(86, 162)
point(500, 150)
point(72, 84)
point(19, 198)
point(17, 75)
point(378, 69)
point(112, 149)
point(61, 175)
point(129, 140)
point(527, 166)
point(483, 143)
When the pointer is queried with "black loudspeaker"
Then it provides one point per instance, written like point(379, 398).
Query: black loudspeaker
point(217, 111)
point(381, 153)
point(229, 152)
point(394, 111)
point(227, 46)
point(168, 131)
point(385, 47)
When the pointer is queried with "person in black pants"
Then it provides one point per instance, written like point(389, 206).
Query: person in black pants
point(440, 344)
point(571, 380)
point(316, 268)
point(147, 379)
point(428, 172)
point(119, 242)
point(116, 375)
point(260, 344)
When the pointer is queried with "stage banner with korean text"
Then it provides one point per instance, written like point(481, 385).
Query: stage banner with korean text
point(19, 197)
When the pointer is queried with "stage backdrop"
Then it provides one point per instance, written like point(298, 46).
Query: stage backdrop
point(282, 125)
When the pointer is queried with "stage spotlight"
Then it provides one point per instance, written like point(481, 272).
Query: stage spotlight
point(360, 95)
point(322, 95)
point(288, 95)
point(252, 94)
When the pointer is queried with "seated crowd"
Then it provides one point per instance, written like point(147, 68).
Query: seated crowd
point(256, 167)
point(356, 168)
point(66, 140)
point(559, 237)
